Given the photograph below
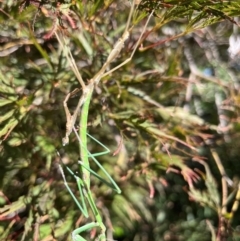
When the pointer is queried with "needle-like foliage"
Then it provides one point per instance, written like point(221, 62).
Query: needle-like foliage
point(170, 117)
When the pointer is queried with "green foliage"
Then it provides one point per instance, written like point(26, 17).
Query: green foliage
point(173, 129)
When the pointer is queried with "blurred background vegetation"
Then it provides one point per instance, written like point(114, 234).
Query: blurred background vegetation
point(170, 118)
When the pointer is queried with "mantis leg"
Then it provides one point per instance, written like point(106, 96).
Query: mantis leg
point(84, 193)
point(83, 208)
point(112, 183)
point(76, 232)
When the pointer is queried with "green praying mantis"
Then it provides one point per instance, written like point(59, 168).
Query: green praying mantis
point(82, 108)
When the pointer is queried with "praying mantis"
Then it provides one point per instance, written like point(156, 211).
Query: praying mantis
point(82, 109)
